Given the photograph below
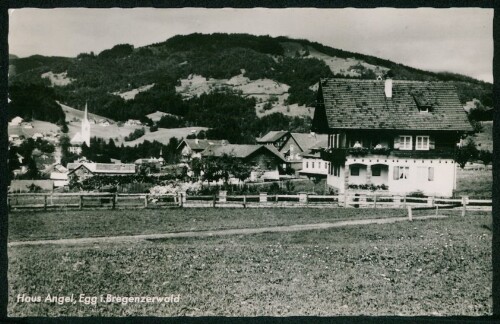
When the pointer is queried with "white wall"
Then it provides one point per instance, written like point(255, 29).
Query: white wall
point(361, 178)
point(337, 182)
point(319, 166)
point(383, 178)
point(442, 185)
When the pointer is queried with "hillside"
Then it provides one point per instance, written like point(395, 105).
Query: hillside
point(270, 75)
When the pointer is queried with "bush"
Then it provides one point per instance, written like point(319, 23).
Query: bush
point(135, 135)
point(416, 194)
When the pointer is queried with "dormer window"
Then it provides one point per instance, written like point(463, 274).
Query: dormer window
point(423, 104)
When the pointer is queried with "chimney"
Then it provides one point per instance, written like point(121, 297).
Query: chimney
point(388, 88)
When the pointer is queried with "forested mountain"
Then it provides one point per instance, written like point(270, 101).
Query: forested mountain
point(230, 111)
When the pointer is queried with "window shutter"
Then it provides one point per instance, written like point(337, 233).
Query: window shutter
point(396, 173)
point(432, 143)
point(397, 140)
point(431, 173)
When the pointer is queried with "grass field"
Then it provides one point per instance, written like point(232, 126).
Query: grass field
point(474, 183)
point(94, 223)
point(438, 267)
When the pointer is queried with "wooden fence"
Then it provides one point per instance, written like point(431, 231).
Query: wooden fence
point(51, 201)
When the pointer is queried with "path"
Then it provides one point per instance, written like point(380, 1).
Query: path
point(238, 231)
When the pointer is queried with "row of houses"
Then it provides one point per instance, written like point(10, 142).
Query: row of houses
point(397, 135)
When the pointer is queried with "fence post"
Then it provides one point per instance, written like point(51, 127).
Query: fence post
point(215, 197)
point(44, 202)
point(404, 201)
point(80, 205)
point(263, 197)
point(145, 201)
point(430, 201)
point(303, 198)
point(222, 196)
point(244, 201)
point(396, 200)
point(375, 201)
point(410, 216)
point(465, 201)
point(181, 199)
point(115, 197)
point(437, 209)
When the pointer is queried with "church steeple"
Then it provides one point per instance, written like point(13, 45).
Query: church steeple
point(86, 127)
point(86, 117)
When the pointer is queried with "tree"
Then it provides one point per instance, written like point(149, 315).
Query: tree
point(466, 153)
point(486, 156)
point(316, 179)
point(196, 167)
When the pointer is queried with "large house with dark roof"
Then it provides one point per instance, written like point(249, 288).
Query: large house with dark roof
point(398, 135)
point(266, 159)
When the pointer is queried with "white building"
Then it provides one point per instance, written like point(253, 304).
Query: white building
point(83, 136)
point(314, 165)
point(16, 121)
point(398, 136)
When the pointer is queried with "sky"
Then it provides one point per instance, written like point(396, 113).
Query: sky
point(458, 40)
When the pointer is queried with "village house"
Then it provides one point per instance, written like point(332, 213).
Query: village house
point(23, 186)
point(104, 122)
point(313, 165)
point(84, 170)
point(398, 135)
point(149, 165)
point(293, 146)
point(133, 122)
point(16, 121)
point(192, 148)
point(266, 159)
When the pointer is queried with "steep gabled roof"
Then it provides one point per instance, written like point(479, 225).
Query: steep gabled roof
point(362, 104)
point(201, 144)
point(307, 141)
point(103, 168)
point(271, 137)
point(240, 150)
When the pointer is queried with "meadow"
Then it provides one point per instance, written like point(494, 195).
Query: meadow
point(434, 267)
point(476, 184)
point(94, 223)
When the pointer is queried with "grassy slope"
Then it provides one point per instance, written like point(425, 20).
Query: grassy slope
point(439, 267)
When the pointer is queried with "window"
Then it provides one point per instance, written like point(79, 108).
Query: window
point(307, 165)
point(422, 143)
point(336, 170)
point(354, 170)
point(334, 140)
point(431, 174)
point(405, 142)
point(401, 172)
point(326, 165)
point(376, 170)
point(312, 165)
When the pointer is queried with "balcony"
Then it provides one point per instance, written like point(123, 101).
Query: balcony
point(339, 155)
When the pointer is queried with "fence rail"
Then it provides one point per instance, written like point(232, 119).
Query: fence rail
point(89, 200)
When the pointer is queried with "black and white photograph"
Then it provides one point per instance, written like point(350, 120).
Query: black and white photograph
point(250, 162)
